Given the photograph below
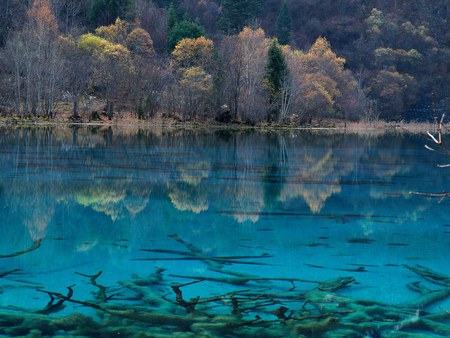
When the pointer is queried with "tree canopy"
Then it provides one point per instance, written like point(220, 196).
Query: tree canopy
point(343, 59)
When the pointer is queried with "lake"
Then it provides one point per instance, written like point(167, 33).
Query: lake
point(164, 232)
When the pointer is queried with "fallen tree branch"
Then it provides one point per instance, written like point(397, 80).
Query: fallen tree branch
point(36, 244)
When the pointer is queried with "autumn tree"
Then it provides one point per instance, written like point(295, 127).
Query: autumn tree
point(327, 88)
point(127, 67)
point(181, 30)
point(147, 75)
point(192, 61)
point(116, 32)
point(245, 58)
point(112, 67)
point(35, 62)
point(193, 52)
point(393, 91)
point(195, 85)
point(77, 72)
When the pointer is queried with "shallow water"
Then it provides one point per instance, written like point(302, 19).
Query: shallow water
point(215, 205)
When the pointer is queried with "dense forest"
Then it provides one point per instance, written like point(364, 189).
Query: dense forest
point(229, 60)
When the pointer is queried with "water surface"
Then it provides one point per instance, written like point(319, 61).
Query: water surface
point(294, 233)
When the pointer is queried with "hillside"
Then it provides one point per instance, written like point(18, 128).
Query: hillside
point(339, 59)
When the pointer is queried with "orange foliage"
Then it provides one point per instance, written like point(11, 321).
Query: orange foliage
point(321, 58)
point(41, 16)
point(139, 42)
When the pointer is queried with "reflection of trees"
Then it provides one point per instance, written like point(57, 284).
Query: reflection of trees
point(194, 173)
point(246, 191)
point(249, 202)
point(29, 196)
point(318, 162)
point(114, 200)
point(318, 165)
point(188, 193)
point(187, 197)
point(37, 207)
point(241, 173)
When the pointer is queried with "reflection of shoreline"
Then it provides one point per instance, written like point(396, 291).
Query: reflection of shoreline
point(115, 174)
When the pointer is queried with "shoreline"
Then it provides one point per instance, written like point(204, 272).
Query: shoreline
point(361, 127)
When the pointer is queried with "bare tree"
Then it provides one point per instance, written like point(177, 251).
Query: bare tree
point(440, 147)
point(78, 72)
point(35, 62)
point(245, 59)
point(67, 13)
point(154, 20)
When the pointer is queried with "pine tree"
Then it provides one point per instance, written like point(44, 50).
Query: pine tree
point(275, 76)
point(105, 12)
point(171, 17)
point(237, 13)
point(276, 67)
point(183, 29)
point(283, 25)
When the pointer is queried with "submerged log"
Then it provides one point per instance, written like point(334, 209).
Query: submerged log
point(36, 244)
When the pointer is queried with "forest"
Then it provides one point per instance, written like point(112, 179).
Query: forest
point(247, 61)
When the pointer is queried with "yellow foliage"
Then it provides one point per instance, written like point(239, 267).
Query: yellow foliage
point(320, 167)
point(116, 33)
point(100, 47)
point(104, 201)
point(320, 56)
point(194, 173)
point(193, 52)
point(196, 79)
point(67, 41)
point(193, 199)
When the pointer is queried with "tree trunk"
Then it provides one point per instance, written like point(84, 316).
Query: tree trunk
point(110, 108)
point(75, 107)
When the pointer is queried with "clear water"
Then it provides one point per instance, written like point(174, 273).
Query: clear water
point(294, 205)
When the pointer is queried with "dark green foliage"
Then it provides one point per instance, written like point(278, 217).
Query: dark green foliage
point(284, 25)
point(275, 76)
point(276, 68)
point(184, 29)
point(167, 3)
point(171, 17)
point(105, 12)
point(12, 16)
point(237, 13)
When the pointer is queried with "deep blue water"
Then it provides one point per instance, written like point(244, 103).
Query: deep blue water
point(294, 205)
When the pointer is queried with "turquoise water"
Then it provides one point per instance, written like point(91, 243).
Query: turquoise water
point(259, 220)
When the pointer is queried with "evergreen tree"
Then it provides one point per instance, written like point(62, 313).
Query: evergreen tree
point(105, 12)
point(275, 76)
point(167, 3)
point(171, 17)
point(184, 29)
point(276, 67)
point(283, 25)
point(237, 13)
